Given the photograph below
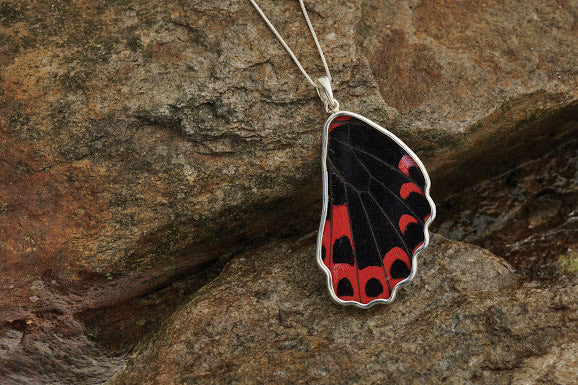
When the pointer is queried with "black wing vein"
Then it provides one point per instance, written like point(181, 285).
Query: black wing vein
point(344, 180)
point(376, 202)
point(352, 243)
point(352, 148)
point(330, 251)
point(381, 255)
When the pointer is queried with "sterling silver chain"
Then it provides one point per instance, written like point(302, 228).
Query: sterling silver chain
point(323, 84)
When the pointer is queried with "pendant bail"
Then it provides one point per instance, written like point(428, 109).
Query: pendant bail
point(323, 86)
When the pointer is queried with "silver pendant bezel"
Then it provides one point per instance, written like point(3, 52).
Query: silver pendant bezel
point(326, 198)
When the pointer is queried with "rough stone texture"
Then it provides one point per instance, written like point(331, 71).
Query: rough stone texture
point(143, 143)
point(133, 140)
point(467, 318)
point(528, 215)
point(131, 131)
point(74, 336)
point(489, 83)
point(133, 150)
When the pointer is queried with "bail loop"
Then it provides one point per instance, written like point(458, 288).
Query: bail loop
point(323, 86)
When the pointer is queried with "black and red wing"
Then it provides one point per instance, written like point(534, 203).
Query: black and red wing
point(376, 208)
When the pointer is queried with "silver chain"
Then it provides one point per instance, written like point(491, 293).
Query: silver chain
point(313, 83)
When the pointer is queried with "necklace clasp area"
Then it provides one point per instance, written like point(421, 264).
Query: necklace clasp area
point(323, 86)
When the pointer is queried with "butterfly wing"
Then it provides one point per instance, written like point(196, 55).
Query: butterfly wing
point(376, 212)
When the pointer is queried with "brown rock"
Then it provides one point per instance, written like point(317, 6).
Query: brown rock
point(491, 83)
point(268, 319)
point(143, 143)
point(133, 136)
point(135, 151)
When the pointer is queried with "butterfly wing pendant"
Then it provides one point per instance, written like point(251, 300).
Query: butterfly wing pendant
point(376, 211)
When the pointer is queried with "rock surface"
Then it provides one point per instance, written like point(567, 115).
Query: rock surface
point(527, 215)
point(133, 147)
point(467, 318)
point(491, 83)
point(131, 132)
point(142, 144)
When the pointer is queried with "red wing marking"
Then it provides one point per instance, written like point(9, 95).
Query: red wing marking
point(333, 125)
point(397, 265)
point(344, 274)
point(373, 284)
point(340, 219)
point(408, 188)
point(405, 220)
point(417, 247)
point(405, 163)
point(342, 118)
